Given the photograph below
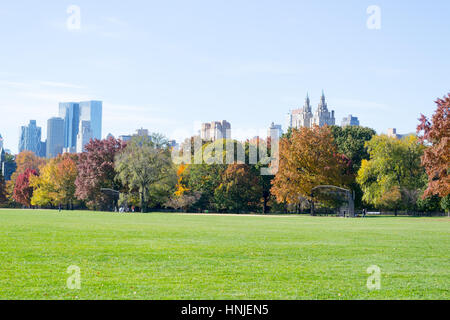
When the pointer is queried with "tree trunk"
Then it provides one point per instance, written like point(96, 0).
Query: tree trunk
point(142, 201)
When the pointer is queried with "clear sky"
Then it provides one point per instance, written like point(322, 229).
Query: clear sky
point(169, 65)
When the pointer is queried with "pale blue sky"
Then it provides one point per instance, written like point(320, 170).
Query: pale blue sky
point(168, 65)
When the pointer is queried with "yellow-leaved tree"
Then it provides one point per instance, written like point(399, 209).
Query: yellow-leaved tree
point(56, 183)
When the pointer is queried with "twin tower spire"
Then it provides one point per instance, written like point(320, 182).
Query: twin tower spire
point(304, 117)
point(322, 103)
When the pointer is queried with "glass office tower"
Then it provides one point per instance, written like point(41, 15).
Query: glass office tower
point(55, 137)
point(30, 139)
point(70, 112)
point(92, 111)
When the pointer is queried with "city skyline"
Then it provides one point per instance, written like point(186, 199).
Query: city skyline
point(76, 116)
point(170, 71)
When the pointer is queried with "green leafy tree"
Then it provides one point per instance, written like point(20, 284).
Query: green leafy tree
point(204, 174)
point(394, 169)
point(145, 166)
point(239, 189)
point(429, 204)
point(445, 204)
point(350, 141)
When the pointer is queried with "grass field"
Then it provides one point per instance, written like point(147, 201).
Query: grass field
point(171, 256)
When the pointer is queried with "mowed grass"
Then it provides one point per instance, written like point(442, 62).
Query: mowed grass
point(175, 256)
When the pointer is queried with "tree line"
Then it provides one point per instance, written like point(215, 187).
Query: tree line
point(385, 173)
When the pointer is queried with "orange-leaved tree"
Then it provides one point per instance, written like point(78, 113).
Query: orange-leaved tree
point(307, 159)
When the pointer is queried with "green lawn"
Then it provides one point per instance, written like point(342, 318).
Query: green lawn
point(171, 256)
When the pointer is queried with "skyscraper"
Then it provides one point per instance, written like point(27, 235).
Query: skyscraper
point(30, 139)
point(55, 137)
point(84, 135)
point(70, 112)
point(75, 112)
point(216, 130)
point(92, 111)
point(1, 141)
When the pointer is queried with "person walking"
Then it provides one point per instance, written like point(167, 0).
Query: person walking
point(364, 212)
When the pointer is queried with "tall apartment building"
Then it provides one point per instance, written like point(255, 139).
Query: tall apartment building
point(215, 130)
point(55, 137)
point(275, 131)
point(30, 139)
point(350, 121)
point(304, 117)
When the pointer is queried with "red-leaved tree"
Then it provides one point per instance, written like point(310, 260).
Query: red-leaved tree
point(22, 189)
point(436, 158)
point(96, 171)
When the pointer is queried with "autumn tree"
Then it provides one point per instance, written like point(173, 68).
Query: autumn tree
point(96, 171)
point(435, 134)
point(145, 166)
point(56, 183)
point(28, 160)
point(239, 189)
point(22, 189)
point(307, 159)
point(393, 173)
point(183, 197)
